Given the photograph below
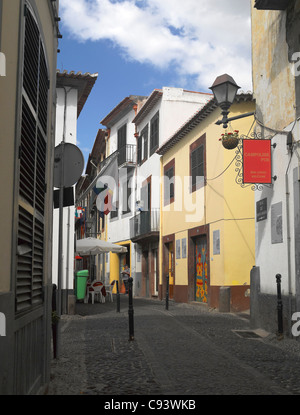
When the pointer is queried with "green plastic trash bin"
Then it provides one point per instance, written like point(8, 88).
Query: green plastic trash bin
point(81, 281)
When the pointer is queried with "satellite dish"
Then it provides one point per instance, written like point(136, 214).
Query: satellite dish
point(73, 163)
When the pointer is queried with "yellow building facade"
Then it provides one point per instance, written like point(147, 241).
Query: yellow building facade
point(207, 232)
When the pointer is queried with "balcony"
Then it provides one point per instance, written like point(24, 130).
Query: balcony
point(145, 226)
point(127, 156)
point(271, 4)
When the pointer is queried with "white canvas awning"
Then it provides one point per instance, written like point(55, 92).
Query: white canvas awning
point(94, 246)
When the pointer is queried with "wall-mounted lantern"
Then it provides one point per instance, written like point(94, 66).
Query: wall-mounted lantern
point(225, 89)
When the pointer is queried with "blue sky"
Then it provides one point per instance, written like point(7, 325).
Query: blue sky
point(138, 45)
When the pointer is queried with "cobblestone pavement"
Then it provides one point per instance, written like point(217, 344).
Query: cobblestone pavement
point(185, 350)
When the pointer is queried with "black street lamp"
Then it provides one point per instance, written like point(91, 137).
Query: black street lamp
point(225, 89)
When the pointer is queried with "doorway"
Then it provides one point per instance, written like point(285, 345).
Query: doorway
point(155, 271)
point(146, 272)
point(201, 269)
point(171, 270)
point(168, 265)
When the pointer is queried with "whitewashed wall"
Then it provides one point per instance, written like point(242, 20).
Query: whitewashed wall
point(175, 108)
point(69, 128)
point(278, 258)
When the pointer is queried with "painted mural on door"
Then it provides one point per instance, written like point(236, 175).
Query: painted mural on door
point(201, 271)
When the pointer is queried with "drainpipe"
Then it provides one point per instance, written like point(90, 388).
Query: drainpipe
point(135, 108)
point(67, 261)
point(136, 134)
point(60, 235)
point(287, 193)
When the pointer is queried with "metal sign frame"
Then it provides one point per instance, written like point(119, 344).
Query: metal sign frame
point(239, 161)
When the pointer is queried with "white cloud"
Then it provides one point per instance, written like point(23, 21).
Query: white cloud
point(201, 39)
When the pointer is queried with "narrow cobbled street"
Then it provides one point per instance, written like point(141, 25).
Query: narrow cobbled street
point(185, 350)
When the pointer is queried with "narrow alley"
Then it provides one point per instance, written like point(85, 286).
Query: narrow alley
point(186, 350)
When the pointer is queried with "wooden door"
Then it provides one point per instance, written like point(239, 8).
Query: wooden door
point(201, 270)
point(171, 270)
point(146, 256)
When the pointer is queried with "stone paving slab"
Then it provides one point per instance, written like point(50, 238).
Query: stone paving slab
point(187, 350)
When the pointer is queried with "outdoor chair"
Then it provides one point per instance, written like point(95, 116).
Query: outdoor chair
point(87, 292)
point(99, 290)
point(95, 290)
point(109, 289)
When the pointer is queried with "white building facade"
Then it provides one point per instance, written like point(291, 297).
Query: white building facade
point(121, 139)
point(72, 92)
point(276, 88)
point(164, 112)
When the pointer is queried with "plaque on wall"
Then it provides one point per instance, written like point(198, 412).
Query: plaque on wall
point(216, 242)
point(138, 254)
point(183, 248)
point(261, 210)
point(178, 249)
point(276, 223)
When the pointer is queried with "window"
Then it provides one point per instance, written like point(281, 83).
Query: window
point(32, 179)
point(143, 145)
point(197, 163)
point(122, 133)
point(169, 185)
point(146, 194)
point(271, 4)
point(126, 208)
point(154, 133)
point(114, 213)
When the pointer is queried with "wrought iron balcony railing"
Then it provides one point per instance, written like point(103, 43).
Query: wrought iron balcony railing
point(127, 155)
point(145, 224)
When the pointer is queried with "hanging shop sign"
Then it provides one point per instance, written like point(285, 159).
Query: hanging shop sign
point(257, 165)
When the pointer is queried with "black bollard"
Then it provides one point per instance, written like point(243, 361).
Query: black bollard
point(279, 305)
point(118, 297)
point(167, 292)
point(130, 310)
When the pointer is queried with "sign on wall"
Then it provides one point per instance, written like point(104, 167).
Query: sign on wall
point(257, 165)
point(276, 223)
point(183, 247)
point(261, 210)
point(178, 249)
point(216, 242)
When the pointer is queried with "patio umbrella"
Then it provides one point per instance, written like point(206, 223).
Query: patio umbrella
point(94, 246)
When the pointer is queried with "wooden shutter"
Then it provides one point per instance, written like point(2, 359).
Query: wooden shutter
point(122, 144)
point(24, 264)
point(122, 137)
point(32, 179)
point(154, 133)
point(126, 196)
point(169, 182)
point(145, 142)
point(197, 163)
point(139, 150)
